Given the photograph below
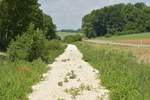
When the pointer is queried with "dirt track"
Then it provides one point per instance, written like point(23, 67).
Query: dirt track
point(70, 78)
point(117, 43)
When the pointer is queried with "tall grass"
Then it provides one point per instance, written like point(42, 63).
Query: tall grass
point(16, 78)
point(119, 71)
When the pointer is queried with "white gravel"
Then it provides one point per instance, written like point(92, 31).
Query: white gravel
point(86, 80)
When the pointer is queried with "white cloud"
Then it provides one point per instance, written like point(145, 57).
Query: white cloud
point(67, 14)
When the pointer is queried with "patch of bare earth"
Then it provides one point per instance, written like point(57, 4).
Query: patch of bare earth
point(70, 78)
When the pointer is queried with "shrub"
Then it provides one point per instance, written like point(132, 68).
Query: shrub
point(54, 48)
point(73, 38)
point(32, 45)
point(55, 45)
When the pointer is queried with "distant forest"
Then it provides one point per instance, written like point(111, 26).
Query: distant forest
point(117, 19)
point(70, 30)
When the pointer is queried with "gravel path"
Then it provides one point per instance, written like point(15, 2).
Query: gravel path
point(70, 78)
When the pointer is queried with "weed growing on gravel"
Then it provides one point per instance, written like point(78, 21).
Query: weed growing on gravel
point(60, 83)
point(120, 72)
point(77, 91)
point(85, 87)
point(72, 75)
point(73, 92)
point(60, 98)
point(66, 79)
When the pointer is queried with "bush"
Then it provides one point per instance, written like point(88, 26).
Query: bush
point(32, 45)
point(73, 38)
point(55, 45)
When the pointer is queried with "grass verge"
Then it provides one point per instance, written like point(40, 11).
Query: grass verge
point(16, 78)
point(120, 72)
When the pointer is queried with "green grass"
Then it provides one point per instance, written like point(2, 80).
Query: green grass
point(16, 78)
point(126, 37)
point(120, 72)
point(64, 34)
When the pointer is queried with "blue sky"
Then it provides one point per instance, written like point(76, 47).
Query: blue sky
point(67, 14)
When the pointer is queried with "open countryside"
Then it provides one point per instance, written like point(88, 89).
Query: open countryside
point(44, 58)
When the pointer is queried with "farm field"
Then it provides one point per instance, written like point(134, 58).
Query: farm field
point(121, 71)
point(141, 38)
point(142, 54)
point(64, 34)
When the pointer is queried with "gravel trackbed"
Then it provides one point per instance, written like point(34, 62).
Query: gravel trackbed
point(70, 78)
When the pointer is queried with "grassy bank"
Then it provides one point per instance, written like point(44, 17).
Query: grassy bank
point(16, 78)
point(120, 73)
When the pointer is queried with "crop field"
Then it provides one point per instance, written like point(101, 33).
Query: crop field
point(120, 70)
point(143, 38)
point(141, 53)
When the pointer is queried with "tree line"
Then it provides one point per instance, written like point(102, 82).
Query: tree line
point(117, 19)
point(70, 30)
point(16, 17)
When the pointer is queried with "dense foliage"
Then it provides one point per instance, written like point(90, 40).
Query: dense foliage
point(117, 19)
point(70, 30)
point(32, 45)
point(49, 27)
point(119, 72)
point(24, 32)
point(73, 38)
point(16, 16)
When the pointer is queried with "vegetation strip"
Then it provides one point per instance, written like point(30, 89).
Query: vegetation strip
point(17, 77)
point(120, 72)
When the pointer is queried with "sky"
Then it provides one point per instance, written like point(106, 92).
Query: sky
point(68, 14)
